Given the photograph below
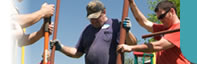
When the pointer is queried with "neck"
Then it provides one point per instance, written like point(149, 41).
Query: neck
point(176, 20)
point(173, 20)
point(105, 19)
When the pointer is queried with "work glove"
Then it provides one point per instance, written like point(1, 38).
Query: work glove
point(127, 24)
point(57, 43)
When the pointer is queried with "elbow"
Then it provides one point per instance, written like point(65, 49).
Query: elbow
point(156, 49)
point(131, 43)
point(24, 43)
point(135, 41)
point(131, 39)
point(73, 56)
point(21, 43)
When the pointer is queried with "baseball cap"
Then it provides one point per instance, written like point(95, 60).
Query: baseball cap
point(94, 9)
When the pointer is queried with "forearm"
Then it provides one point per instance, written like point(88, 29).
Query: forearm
point(141, 19)
point(31, 38)
point(71, 52)
point(148, 47)
point(26, 20)
point(137, 13)
point(143, 48)
point(35, 37)
point(130, 39)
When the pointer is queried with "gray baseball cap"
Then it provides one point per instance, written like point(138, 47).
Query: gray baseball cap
point(94, 9)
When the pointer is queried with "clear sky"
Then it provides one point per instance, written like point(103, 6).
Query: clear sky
point(72, 21)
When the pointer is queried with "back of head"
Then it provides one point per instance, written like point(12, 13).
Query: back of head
point(165, 5)
point(94, 9)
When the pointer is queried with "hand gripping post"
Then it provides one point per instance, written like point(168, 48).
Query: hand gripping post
point(47, 21)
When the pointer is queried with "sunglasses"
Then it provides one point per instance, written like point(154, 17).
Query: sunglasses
point(163, 15)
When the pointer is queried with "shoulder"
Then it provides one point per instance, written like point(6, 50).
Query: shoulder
point(158, 27)
point(87, 29)
point(116, 25)
point(175, 26)
point(115, 21)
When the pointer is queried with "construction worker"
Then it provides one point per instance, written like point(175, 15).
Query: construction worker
point(20, 21)
point(167, 48)
point(99, 39)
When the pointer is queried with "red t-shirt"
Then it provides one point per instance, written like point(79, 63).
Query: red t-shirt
point(171, 55)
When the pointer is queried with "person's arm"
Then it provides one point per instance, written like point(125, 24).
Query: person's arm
point(130, 39)
point(139, 16)
point(149, 47)
point(26, 20)
point(71, 52)
point(29, 39)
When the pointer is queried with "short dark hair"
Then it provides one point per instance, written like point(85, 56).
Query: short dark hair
point(165, 5)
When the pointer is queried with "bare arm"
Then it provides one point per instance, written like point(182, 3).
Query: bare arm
point(141, 19)
point(26, 20)
point(130, 39)
point(29, 39)
point(71, 52)
point(149, 47)
point(154, 46)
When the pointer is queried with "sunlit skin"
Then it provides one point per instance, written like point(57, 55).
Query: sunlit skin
point(99, 22)
point(96, 22)
point(167, 17)
point(166, 20)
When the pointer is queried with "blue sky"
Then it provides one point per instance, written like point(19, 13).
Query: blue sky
point(72, 21)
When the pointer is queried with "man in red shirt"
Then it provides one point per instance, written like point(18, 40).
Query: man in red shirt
point(167, 47)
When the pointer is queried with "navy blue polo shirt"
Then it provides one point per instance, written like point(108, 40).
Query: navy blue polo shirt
point(99, 44)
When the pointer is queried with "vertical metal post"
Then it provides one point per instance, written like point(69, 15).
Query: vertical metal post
point(55, 30)
point(120, 58)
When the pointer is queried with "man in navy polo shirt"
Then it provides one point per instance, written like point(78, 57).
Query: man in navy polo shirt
point(99, 39)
